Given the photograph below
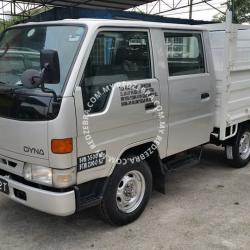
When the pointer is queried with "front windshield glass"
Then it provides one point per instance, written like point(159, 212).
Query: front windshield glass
point(20, 50)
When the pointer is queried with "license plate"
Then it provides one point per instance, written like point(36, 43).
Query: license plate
point(4, 186)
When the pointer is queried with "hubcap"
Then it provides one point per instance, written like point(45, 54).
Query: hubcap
point(130, 191)
point(244, 148)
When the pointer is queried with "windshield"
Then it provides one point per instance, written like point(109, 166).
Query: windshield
point(20, 50)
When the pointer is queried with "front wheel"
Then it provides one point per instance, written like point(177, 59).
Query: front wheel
point(238, 152)
point(127, 193)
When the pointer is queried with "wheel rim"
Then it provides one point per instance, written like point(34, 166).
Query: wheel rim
point(244, 147)
point(130, 191)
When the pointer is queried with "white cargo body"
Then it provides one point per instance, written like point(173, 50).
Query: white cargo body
point(230, 45)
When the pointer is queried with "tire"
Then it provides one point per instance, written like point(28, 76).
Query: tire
point(122, 202)
point(238, 151)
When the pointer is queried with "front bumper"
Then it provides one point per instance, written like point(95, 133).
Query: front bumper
point(61, 204)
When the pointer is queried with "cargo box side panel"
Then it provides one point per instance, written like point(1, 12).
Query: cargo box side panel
point(232, 68)
point(238, 102)
point(217, 41)
point(239, 98)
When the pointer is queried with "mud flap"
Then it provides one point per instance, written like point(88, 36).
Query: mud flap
point(229, 152)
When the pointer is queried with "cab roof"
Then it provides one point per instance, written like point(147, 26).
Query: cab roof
point(117, 23)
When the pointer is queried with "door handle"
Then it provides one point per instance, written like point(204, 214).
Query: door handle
point(205, 96)
point(150, 106)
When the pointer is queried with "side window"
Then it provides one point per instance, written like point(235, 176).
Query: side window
point(116, 56)
point(185, 53)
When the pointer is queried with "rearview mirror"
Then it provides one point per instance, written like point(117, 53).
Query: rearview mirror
point(50, 73)
point(49, 61)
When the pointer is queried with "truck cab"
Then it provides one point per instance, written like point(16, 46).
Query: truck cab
point(94, 112)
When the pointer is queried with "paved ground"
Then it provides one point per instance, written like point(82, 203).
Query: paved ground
point(206, 207)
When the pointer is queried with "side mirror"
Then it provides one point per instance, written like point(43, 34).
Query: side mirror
point(50, 73)
point(50, 66)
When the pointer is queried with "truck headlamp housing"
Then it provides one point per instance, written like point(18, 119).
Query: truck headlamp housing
point(50, 177)
point(38, 174)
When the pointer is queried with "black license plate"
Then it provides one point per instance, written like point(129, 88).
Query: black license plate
point(4, 186)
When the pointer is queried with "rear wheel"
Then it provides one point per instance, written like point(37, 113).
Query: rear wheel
point(238, 152)
point(127, 193)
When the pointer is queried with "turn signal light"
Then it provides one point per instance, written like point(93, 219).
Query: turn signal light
point(62, 146)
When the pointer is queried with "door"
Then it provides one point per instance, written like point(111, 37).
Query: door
point(190, 91)
point(119, 114)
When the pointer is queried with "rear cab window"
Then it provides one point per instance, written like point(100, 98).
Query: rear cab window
point(185, 53)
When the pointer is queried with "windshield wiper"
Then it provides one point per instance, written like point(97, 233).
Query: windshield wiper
point(24, 49)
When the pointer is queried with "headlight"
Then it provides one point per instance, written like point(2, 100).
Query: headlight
point(38, 174)
point(50, 177)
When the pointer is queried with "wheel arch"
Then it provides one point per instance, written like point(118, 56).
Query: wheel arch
point(154, 161)
point(235, 157)
point(241, 125)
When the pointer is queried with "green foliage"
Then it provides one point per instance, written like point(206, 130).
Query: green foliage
point(242, 11)
point(219, 18)
point(11, 21)
point(17, 19)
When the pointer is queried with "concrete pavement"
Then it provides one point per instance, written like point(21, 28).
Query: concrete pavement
point(206, 207)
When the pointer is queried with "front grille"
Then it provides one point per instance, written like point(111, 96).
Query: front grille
point(11, 165)
point(8, 162)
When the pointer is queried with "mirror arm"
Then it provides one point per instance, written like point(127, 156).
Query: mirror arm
point(49, 91)
point(5, 51)
point(42, 84)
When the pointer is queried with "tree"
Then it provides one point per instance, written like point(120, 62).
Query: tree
point(17, 19)
point(5, 24)
point(241, 9)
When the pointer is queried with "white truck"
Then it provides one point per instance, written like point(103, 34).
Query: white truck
point(96, 112)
